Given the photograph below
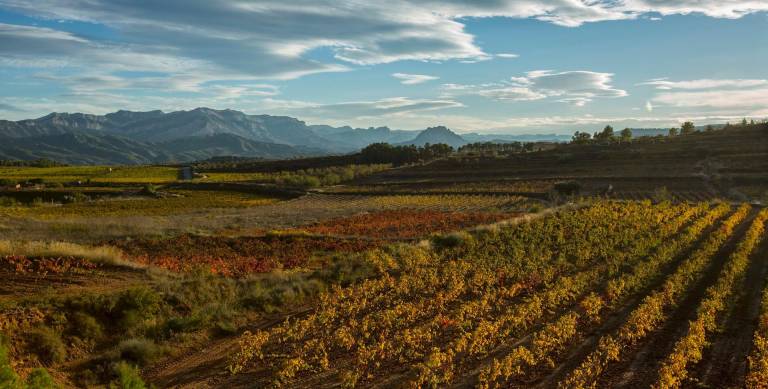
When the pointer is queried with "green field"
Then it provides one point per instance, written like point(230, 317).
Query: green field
point(97, 174)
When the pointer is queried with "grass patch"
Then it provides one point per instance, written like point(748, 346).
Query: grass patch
point(43, 249)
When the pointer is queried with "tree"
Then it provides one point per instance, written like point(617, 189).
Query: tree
point(709, 128)
point(581, 138)
point(606, 135)
point(687, 128)
point(626, 135)
point(528, 146)
point(673, 131)
point(744, 122)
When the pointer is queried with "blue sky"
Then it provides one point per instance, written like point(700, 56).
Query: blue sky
point(505, 66)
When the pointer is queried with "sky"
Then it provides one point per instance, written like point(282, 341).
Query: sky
point(488, 66)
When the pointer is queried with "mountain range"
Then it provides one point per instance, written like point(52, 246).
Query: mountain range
point(127, 137)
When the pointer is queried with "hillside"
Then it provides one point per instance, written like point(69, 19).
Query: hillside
point(716, 162)
point(436, 135)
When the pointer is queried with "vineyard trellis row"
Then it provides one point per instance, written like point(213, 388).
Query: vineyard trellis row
point(688, 349)
point(654, 309)
point(757, 376)
point(551, 340)
point(441, 309)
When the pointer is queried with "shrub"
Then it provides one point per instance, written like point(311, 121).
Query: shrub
point(568, 188)
point(135, 306)
point(8, 377)
point(75, 197)
point(85, 326)
point(138, 350)
point(662, 194)
point(127, 377)
point(40, 379)
point(149, 190)
point(450, 240)
point(47, 344)
point(6, 201)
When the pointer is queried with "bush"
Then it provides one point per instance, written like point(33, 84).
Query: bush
point(75, 197)
point(568, 188)
point(135, 306)
point(40, 379)
point(138, 350)
point(47, 344)
point(127, 377)
point(8, 377)
point(450, 240)
point(6, 201)
point(662, 194)
point(149, 190)
point(85, 326)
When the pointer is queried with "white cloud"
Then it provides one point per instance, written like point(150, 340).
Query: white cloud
point(665, 84)
point(573, 87)
point(269, 39)
point(506, 55)
point(411, 79)
point(744, 99)
point(734, 96)
point(648, 106)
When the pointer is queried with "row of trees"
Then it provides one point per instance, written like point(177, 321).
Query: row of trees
point(399, 155)
point(607, 135)
point(486, 148)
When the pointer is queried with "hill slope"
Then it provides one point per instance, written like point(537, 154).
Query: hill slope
point(435, 135)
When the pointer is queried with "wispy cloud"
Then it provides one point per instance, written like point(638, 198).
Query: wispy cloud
point(740, 96)
point(411, 79)
point(665, 84)
point(577, 87)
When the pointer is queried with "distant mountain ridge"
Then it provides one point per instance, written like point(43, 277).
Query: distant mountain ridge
point(130, 137)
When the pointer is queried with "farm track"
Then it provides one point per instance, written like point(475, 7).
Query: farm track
point(724, 364)
point(586, 345)
point(640, 368)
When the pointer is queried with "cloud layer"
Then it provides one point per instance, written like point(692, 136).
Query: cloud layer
point(269, 39)
point(576, 87)
point(178, 53)
point(746, 96)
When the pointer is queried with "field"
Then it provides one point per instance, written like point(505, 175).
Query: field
point(578, 266)
point(93, 174)
point(642, 293)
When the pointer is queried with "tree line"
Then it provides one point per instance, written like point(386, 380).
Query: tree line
point(608, 135)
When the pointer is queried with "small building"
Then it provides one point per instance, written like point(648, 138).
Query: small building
point(186, 173)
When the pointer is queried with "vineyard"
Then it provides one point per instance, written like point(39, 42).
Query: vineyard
point(239, 256)
point(406, 224)
point(605, 295)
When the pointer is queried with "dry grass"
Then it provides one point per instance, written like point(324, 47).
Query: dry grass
point(100, 254)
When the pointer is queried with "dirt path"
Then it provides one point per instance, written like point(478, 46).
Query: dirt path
point(639, 370)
